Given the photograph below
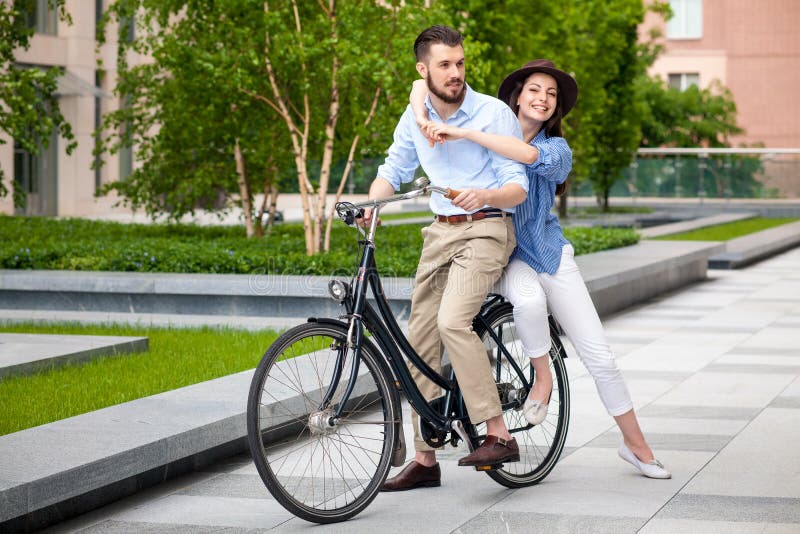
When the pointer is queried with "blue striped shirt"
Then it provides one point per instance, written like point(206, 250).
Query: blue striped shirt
point(539, 236)
point(459, 163)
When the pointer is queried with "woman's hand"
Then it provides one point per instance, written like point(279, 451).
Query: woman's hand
point(443, 132)
point(424, 126)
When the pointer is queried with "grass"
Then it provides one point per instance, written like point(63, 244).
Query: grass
point(594, 211)
point(177, 358)
point(724, 232)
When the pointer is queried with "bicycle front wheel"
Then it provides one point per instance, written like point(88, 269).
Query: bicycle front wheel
point(540, 446)
point(320, 469)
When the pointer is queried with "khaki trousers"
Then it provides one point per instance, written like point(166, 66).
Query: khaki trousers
point(458, 266)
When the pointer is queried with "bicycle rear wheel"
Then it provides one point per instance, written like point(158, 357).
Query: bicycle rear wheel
point(540, 446)
point(319, 471)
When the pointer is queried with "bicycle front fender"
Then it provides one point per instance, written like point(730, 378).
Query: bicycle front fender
point(399, 454)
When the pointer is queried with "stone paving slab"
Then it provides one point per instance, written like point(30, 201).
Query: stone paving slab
point(666, 396)
point(724, 434)
point(615, 278)
point(27, 353)
point(748, 249)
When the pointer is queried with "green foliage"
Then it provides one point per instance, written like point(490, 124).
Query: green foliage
point(29, 111)
point(586, 240)
point(177, 358)
point(80, 244)
point(691, 118)
point(596, 41)
point(210, 89)
point(732, 230)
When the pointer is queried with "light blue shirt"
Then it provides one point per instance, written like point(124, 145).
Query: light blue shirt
point(457, 164)
point(539, 236)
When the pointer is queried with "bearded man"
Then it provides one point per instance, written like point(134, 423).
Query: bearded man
point(465, 248)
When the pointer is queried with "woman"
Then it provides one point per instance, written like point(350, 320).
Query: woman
point(542, 269)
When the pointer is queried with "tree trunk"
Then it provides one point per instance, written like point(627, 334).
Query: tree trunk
point(348, 169)
point(562, 205)
point(265, 216)
point(327, 152)
point(299, 138)
point(244, 188)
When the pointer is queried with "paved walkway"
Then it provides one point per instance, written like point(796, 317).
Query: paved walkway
point(714, 370)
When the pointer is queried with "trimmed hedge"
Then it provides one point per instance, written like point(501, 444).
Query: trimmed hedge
point(90, 245)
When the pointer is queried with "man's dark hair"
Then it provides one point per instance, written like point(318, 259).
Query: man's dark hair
point(433, 35)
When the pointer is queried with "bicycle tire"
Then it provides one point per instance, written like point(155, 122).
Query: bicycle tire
point(319, 473)
point(540, 445)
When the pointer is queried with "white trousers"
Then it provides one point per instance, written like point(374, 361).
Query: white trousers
point(566, 294)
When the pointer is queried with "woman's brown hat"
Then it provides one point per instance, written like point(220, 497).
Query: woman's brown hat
point(567, 85)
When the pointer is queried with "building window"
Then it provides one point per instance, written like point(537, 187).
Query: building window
point(125, 152)
point(684, 80)
point(687, 19)
point(36, 178)
point(40, 16)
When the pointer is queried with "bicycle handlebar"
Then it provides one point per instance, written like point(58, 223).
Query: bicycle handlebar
point(348, 211)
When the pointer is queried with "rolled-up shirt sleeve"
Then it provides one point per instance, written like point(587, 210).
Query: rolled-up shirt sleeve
point(554, 161)
point(507, 170)
point(401, 160)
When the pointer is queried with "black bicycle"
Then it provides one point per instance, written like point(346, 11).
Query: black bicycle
point(324, 417)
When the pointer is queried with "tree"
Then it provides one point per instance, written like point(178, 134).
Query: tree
point(691, 118)
point(29, 110)
point(201, 142)
point(287, 82)
point(694, 118)
point(597, 42)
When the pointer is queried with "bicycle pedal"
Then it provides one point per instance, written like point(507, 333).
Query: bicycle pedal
point(492, 467)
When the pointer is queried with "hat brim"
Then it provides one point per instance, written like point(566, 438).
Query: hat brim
point(567, 86)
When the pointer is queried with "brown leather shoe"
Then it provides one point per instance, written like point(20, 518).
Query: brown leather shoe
point(414, 475)
point(492, 451)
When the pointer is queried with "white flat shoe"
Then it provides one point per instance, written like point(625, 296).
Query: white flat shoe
point(653, 469)
point(535, 411)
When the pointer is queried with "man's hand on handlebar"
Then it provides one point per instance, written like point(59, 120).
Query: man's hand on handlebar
point(471, 199)
point(366, 219)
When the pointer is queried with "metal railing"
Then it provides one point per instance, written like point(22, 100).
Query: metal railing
point(723, 173)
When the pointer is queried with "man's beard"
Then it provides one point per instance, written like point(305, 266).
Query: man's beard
point(442, 95)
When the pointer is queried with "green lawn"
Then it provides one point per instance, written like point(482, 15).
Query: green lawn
point(595, 211)
point(177, 358)
point(724, 232)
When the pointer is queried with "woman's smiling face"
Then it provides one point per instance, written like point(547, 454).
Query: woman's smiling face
point(539, 97)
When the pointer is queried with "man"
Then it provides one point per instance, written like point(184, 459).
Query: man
point(464, 249)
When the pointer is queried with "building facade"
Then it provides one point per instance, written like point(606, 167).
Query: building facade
point(58, 183)
point(753, 48)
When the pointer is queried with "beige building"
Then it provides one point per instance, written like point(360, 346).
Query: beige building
point(58, 183)
point(753, 48)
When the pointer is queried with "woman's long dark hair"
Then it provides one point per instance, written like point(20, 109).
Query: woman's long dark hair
point(552, 128)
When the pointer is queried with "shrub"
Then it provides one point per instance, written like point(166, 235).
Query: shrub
point(87, 245)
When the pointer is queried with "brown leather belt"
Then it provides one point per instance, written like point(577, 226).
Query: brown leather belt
point(477, 216)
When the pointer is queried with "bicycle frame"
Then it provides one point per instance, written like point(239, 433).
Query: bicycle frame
point(394, 344)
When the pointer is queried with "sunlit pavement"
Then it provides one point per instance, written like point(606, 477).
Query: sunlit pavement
point(714, 371)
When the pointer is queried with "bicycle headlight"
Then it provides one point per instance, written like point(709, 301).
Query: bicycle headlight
point(339, 290)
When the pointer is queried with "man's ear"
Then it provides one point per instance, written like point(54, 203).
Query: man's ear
point(422, 69)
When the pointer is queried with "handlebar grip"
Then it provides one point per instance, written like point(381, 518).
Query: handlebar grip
point(452, 193)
